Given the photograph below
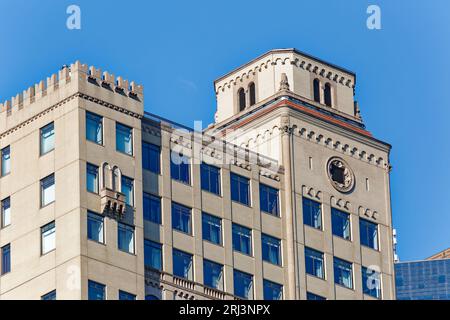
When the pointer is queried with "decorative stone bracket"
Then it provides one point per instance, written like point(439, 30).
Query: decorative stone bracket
point(112, 203)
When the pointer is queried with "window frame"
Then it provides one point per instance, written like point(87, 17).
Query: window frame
point(51, 294)
point(211, 225)
point(307, 202)
point(126, 227)
point(5, 201)
point(243, 275)
point(150, 147)
point(45, 228)
point(239, 180)
point(98, 285)
point(119, 127)
point(368, 223)
point(266, 257)
point(343, 263)
point(150, 198)
point(124, 182)
point(208, 170)
point(97, 181)
point(122, 294)
point(43, 181)
point(91, 215)
point(364, 279)
point(214, 264)
point(176, 169)
point(269, 189)
point(335, 211)
point(273, 285)
point(181, 209)
point(95, 117)
point(315, 255)
point(2, 161)
point(181, 253)
point(6, 248)
point(236, 226)
point(41, 138)
point(154, 246)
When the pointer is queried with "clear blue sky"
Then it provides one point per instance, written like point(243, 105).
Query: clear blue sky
point(177, 48)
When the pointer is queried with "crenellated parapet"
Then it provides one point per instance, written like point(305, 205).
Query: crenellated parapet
point(75, 81)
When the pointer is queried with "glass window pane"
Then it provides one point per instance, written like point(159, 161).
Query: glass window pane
point(242, 239)
point(49, 296)
point(126, 295)
point(95, 227)
point(340, 223)
point(343, 273)
point(269, 200)
point(312, 296)
point(368, 234)
point(48, 237)
point(6, 212)
point(213, 274)
point(47, 190)
point(94, 128)
point(240, 189)
point(314, 263)
point(371, 282)
point(128, 190)
point(151, 157)
point(212, 228)
point(181, 218)
point(152, 208)
point(312, 213)
point(272, 290)
point(271, 249)
point(125, 238)
point(92, 178)
point(96, 291)
point(182, 264)
point(179, 167)
point(6, 161)
point(47, 138)
point(124, 139)
point(152, 254)
point(6, 259)
point(243, 284)
point(210, 178)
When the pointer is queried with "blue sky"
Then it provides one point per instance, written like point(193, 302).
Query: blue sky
point(177, 49)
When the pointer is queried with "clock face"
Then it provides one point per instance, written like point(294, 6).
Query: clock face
point(340, 175)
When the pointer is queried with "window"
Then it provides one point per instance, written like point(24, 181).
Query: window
point(151, 157)
point(213, 274)
point(152, 208)
point(6, 259)
point(241, 99)
point(252, 92)
point(371, 282)
point(240, 189)
point(151, 297)
point(128, 190)
point(327, 95)
point(268, 197)
point(124, 139)
point(125, 237)
point(48, 238)
point(210, 178)
point(242, 239)
point(6, 161)
point(368, 234)
point(49, 296)
point(47, 138)
point(271, 249)
point(272, 290)
point(92, 178)
point(243, 284)
point(47, 190)
point(182, 265)
point(6, 212)
point(181, 218)
point(312, 296)
point(314, 263)
point(96, 291)
point(343, 273)
point(95, 225)
point(94, 128)
point(152, 254)
point(312, 213)
point(212, 228)
point(316, 85)
point(340, 223)
point(179, 168)
point(123, 295)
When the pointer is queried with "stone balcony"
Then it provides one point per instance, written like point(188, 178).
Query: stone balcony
point(112, 202)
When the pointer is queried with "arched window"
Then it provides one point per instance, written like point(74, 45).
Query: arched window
point(327, 94)
point(252, 92)
point(316, 85)
point(151, 297)
point(241, 97)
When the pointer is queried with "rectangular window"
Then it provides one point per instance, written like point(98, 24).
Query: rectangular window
point(368, 234)
point(123, 295)
point(125, 237)
point(6, 259)
point(268, 197)
point(314, 263)
point(6, 212)
point(271, 249)
point(212, 228)
point(128, 190)
point(312, 213)
point(91, 178)
point(242, 239)
point(210, 177)
point(6, 161)
point(96, 291)
point(94, 128)
point(340, 223)
point(152, 208)
point(48, 238)
point(151, 157)
point(152, 254)
point(181, 218)
point(343, 273)
point(182, 265)
point(95, 224)
point(272, 290)
point(47, 190)
point(179, 168)
point(371, 282)
point(243, 284)
point(240, 189)
point(213, 274)
point(312, 296)
point(124, 139)
point(47, 135)
point(49, 296)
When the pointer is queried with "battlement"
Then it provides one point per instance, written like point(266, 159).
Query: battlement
point(80, 74)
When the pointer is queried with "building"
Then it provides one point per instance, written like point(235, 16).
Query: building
point(285, 196)
point(424, 280)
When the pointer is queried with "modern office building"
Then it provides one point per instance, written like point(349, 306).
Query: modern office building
point(285, 196)
point(424, 280)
